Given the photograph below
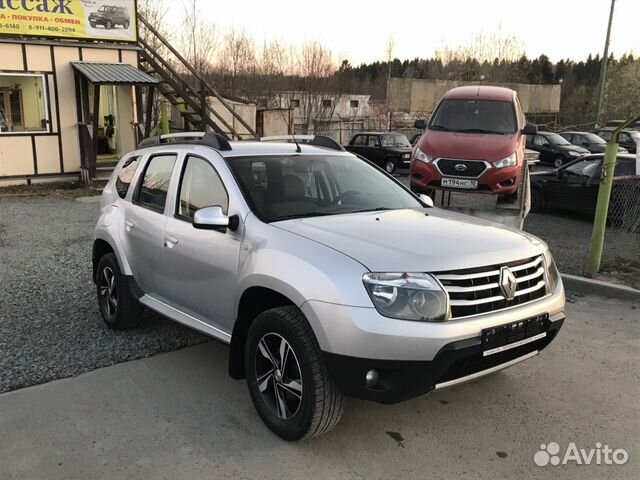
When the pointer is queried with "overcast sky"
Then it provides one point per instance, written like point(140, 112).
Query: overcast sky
point(359, 30)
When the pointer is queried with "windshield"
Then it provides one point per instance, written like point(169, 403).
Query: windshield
point(585, 168)
point(592, 138)
point(474, 116)
point(395, 140)
point(284, 187)
point(555, 139)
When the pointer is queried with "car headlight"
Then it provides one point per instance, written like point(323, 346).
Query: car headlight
point(573, 153)
point(421, 156)
point(408, 296)
point(553, 275)
point(510, 161)
point(406, 155)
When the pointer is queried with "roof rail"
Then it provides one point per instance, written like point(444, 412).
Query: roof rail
point(210, 139)
point(315, 140)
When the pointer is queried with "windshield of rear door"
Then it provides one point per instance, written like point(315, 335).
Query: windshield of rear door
point(299, 186)
point(474, 116)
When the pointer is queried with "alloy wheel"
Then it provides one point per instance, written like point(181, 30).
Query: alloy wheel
point(109, 291)
point(390, 167)
point(278, 375)
point(558, 162)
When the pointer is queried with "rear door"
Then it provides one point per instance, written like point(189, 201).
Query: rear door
point(144, 221)
point(373, 150)
point(576, 189)
point(200, 266)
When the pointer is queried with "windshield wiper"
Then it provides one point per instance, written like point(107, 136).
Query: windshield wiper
point(302, 215)
point(377, 209)
point(480, 130)
point(440, 127)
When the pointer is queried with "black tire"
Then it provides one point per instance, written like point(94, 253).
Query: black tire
point(558, 161)
point(390, 166)
point(537, 200)
point(126, 24)
point(108, 25)
point(319, 406)
point(93, 25)
point(126, 311)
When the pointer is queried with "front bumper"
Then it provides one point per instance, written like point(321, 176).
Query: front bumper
point(455, 363)
point(503, 181)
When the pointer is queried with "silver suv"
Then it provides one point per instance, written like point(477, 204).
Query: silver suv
point(325, 275)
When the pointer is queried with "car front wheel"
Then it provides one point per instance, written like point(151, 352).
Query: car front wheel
point(558, 162)
point(108, 25)
point(288, 381)
point(390, 166)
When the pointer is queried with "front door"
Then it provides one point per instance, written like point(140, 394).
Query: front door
point(201, 265)
point(144, 222)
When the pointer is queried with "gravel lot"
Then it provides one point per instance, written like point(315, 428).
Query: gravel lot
point(49, 322)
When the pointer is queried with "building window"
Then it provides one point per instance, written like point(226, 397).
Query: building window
point(23, 103)
point(294, 103)
point(326, 102)
point(354, 103)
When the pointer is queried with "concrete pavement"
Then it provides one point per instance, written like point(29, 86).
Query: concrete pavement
point(179, 415)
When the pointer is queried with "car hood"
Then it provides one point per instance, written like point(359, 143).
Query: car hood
point(398, 149)
point(572, 148)
point(419, 240)
point(472, 146)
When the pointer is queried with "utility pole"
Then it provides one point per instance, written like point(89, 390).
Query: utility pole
point(603, 66)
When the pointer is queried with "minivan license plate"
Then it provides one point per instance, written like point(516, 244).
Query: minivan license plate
point(459, 183)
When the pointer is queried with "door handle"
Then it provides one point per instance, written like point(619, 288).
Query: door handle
point(129, 225)
point(170, 242)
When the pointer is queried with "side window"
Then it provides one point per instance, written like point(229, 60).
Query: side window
point(605, 134)
point(155, 182)
point(373, 141)
point(360, 140)
point(200, 186)
point(126, 175)
point(539, 140)
point(624, 138)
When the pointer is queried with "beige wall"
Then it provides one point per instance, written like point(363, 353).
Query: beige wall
point(16, 152)
point(246, 111)
point(421, 96)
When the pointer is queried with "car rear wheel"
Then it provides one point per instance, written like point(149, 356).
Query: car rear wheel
point(558, 162)
point(120, 310)
point(288, 381)
point(390, 166)
point(126, 24)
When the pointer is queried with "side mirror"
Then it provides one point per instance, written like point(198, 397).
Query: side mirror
point(420, 124)
point(426, 199)
point(530, 129)
point(211, 218)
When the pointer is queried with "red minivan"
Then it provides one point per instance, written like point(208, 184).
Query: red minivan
point(474, 141)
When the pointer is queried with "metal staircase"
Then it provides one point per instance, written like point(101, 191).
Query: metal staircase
point(187, 90)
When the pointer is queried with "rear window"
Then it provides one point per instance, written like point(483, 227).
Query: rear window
point(126, 175)
point(474, 116)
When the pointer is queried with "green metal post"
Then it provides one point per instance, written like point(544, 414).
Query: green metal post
point(164, 117)
point(604, 196)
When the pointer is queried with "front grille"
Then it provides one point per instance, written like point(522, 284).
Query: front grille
point(476, 291)
point(473, 168)
point(477, 362)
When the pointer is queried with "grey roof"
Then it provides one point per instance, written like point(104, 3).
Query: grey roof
point(113, 73)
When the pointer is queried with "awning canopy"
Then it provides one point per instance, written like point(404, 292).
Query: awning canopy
point(100, 73)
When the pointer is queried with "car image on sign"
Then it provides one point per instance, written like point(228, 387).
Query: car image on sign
point(459, 183)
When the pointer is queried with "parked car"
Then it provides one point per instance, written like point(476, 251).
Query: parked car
point(474, 140)
point(390, 151)
point(590, 141)
point(109, 16)
point(628, 139)
point(574, 186)
point(554, 149)
point(325, 275)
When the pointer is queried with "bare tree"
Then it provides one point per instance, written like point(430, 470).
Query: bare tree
point(237, 60)
point(484, 47)
point(199, 37)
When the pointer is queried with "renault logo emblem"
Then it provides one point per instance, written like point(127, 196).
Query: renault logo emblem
point(508, 283)
point(460, 167)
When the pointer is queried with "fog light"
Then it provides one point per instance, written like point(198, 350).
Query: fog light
point(372, 378)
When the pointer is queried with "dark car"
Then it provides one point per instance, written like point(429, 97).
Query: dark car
point(574, 186)
point(554, 149)
point(390, 151)
point(590, 141)
point(627, 139)
point(109, 16)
